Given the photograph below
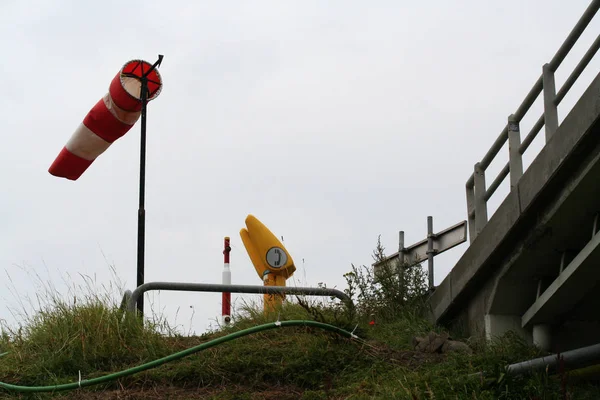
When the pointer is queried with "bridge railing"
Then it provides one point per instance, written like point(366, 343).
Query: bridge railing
point(477, 193)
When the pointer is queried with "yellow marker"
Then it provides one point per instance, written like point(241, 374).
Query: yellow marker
point(272, 301)
point(271, 260)
point(265, 250)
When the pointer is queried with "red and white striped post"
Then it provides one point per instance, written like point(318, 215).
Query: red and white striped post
point(226, 297)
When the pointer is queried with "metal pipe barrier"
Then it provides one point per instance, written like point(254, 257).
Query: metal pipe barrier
point(574, 361)
point(477, 194)
point(124, 302)
point(250, 289)
point(578, 358)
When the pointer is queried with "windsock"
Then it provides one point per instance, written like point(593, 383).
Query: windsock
point(111, 118)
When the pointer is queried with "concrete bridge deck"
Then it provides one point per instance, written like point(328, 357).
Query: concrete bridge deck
point(534, 267)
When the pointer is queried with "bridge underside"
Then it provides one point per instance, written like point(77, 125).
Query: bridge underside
point(535, 267)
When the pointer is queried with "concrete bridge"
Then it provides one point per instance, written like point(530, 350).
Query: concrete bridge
point(534, 266)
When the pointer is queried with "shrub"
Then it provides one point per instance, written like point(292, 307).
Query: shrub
point(396, 291)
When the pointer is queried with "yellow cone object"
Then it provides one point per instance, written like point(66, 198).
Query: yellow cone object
point(266, 252)
point(271, 260)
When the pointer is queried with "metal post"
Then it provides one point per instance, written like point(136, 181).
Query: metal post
point(401, 260)
point(471, 212)
point(401, 248)
point(515, 159)
point(430, 251)
point(141, 210)
point(481, 217)
point(550, 108)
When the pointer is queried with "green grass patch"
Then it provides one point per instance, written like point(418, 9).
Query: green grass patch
point(90, 334)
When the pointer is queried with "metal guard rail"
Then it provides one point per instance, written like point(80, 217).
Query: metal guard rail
point(477, 195)
point(131, 298)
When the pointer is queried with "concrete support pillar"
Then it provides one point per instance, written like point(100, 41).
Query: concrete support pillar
point(498, 325)
point(542, 336)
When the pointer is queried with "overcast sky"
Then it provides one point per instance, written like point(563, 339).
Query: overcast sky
point(332, 122)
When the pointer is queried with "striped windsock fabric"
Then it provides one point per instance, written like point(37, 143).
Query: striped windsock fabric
point(111, 117)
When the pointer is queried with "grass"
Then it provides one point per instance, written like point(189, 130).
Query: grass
point(88, 334)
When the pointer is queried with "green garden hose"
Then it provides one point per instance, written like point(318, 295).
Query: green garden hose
point(177, 356)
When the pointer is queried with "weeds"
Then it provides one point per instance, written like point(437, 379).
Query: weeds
point(396, 291)
point(86, 335)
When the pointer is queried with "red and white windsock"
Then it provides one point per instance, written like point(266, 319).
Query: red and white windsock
point(112, 117)
point(226, 297)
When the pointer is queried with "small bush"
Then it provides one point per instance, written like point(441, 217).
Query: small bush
point(396, 291)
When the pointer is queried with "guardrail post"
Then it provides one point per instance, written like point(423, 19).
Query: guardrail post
point(515, 160)
point(471, 212)
point(401, 249)
point(430, 252)
point(481, 217)
point(550, 108)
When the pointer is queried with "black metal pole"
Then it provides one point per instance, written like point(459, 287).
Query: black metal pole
point(141, 209)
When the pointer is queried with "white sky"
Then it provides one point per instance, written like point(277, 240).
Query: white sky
point(332, 122)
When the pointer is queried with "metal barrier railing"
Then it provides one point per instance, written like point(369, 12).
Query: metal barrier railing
point(477, 194)
point(131, 298)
